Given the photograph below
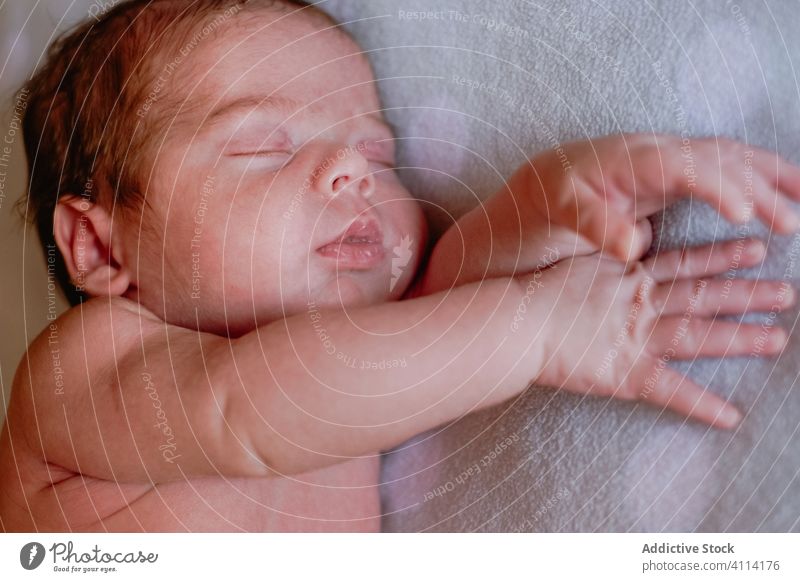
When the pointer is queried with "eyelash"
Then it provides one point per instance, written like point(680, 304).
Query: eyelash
point(273, 153)
point(275, 158)
point(264, 153)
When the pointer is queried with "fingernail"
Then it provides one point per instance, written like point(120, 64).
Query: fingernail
point(743, 215)
point(791, 221)
point(791, 296)
point(755, 250)
point(731, 417)
point(777, 340)
point(626, 246)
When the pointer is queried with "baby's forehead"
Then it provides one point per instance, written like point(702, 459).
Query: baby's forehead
point(267, 57)
point(293, 40)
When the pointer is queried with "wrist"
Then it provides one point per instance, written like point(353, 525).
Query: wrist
point(532, 319)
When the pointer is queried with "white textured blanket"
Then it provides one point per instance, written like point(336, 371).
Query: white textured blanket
point(472, 88)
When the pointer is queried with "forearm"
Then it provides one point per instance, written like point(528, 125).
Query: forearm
point(506, 235)
point(327, 401)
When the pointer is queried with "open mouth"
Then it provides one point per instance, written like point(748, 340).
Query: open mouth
point(359, 247)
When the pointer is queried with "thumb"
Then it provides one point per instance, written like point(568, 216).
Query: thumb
point(638, 244)
point(630, 242)
point(612, 231)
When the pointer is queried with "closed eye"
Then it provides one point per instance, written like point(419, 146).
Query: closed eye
point(271, 159)
point(378, 152)
point(384, 164)
point(262, 154)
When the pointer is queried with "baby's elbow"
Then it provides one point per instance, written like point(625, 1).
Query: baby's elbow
point(251, 447)
point(229, 439)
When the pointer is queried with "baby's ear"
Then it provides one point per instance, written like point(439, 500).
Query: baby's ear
point(82, 231)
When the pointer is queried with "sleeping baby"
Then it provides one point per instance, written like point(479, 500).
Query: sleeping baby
point(258, 313)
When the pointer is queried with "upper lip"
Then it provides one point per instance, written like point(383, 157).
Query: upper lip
point(361, 230)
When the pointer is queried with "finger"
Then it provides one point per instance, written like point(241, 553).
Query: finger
point(705, 261)
point(737, 178)
point(723, 297)
point(687, 337)
point(666, 388)
point(625, 241)
point(780, 173)
point(726, 195)
point(772, 209)
point(719, 184)
point(643, 240)
point(610, 231)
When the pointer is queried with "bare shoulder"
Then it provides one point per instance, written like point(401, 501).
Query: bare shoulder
point(96, 327)
point(101, 385)
point(80, 350)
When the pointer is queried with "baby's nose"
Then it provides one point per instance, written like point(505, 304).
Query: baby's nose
point(347, 172)
point(363, 185)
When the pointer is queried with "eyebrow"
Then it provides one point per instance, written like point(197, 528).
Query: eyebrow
point(276, 103)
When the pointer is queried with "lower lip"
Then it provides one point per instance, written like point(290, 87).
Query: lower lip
point(354, 255)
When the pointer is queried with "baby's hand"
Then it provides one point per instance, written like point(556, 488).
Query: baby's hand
point(601, 188)
point(613, 333)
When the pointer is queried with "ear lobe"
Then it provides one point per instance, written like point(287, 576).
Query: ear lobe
point(82, 231)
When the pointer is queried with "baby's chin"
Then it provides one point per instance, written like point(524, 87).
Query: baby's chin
point(352, 290)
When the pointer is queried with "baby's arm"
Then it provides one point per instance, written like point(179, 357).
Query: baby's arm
point(115, 393)
point(593, 195)
point(146, 401)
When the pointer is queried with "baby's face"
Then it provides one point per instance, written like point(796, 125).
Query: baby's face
point(274, 186)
